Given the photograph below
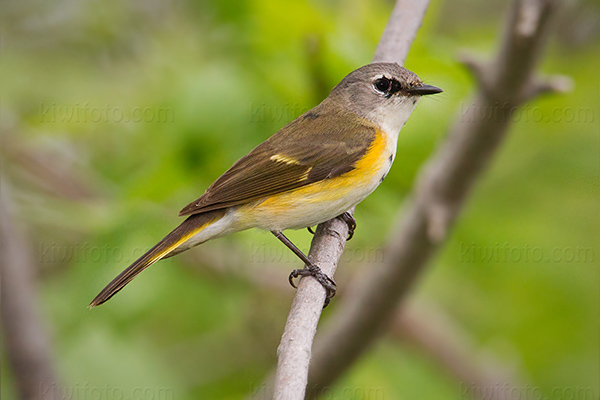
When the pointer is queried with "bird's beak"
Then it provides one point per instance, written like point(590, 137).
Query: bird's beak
point(423, 90)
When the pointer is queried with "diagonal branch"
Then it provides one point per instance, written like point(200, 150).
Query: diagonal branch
point(294, 350)
point(438, 337)
point(294, 353)
point(426, 328)
point(400, 31)
point(440, 192)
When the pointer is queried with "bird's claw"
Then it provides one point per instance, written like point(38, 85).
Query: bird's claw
point(314, 271)
point(350, 221)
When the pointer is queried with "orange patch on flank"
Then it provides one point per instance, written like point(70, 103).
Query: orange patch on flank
point(365, 171)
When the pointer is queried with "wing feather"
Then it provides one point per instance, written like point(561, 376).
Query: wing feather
point(303, 152)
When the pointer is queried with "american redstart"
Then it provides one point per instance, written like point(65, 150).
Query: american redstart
point(312, 170)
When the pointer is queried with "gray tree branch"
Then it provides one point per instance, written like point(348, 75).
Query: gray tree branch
point(27, 345)
point(294, 350)
point(294, 353)
point(427, 329)
point(400, 31)
point(437, 336)
point(440, 193)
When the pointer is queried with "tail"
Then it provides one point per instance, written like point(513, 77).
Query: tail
point(169, 246)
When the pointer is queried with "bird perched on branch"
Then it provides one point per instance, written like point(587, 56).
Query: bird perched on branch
point(314, 169)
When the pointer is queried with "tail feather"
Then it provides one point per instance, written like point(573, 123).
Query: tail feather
point(167, 247)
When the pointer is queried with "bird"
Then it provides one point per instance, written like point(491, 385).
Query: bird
point(314, 169)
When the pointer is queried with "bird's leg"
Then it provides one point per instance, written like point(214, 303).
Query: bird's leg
point(350, 221)
point(309, 269)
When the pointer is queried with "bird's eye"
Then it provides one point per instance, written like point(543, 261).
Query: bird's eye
point(382, 84)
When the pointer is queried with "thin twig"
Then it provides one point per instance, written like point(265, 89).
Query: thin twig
point(439, 196)
point(41, 168)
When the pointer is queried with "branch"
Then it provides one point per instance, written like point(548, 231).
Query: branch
point(400, 31)
point(440, 193)
point(294, 353)
point(24, 335)
point(429, 330)
point(41, 168)
point(437, 336)
point(294, 349)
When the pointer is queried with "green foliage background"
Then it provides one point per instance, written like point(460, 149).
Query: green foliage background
point(519, 274)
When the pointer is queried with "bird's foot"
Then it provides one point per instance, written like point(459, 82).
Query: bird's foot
point(350, 221)
point(314, 271)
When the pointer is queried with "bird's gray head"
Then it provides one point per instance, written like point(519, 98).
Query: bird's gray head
point(384, 93)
